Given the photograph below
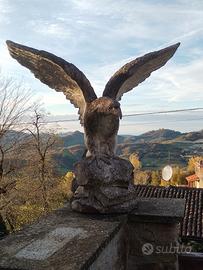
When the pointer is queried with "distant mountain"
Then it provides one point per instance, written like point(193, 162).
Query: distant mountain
point(192, 136)
point(72, 138)
point(155, 148)
point(154, 136)
point(12, 135)
point(66, 157)
point(157, 136)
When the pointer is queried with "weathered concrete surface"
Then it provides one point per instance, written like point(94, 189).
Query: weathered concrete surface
point(104, 185)
point(42, 249)
point(154, 229)
point(114, 256)
point(74, 241)
point(66, 240)
point(160, 210)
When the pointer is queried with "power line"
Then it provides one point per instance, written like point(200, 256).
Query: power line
point(163, 112)
point(125, 115)
point(168, 121)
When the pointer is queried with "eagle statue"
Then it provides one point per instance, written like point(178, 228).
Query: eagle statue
point(99, 116)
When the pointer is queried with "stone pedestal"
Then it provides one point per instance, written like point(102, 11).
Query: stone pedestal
point(104, 186)
point(153, 230)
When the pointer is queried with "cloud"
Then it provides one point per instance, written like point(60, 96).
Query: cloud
point(100, 36)
point(5, 9)
point(4, 55)
point(180, 82)
point(54, 30)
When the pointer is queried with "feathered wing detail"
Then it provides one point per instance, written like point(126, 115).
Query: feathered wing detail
point(56, 73)
point(136, 71)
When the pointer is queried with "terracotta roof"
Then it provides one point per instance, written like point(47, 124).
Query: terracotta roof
point(192, 224)
point(192, 178)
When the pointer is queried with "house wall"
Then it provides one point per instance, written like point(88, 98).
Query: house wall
point(199, 173)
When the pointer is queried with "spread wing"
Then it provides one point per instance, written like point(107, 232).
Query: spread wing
point(136, 71)
point(56, 73)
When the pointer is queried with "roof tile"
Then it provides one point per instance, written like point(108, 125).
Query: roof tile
point(192, 224)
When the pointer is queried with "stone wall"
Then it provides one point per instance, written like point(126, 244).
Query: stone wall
point(114, 255)
point(72, 241)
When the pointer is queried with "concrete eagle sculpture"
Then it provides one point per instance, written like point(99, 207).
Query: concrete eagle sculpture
point(103, 182)
point(99, 116)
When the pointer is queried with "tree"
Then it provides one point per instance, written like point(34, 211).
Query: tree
point(29, 184)
point(38, 186)
point(155, 178)
point(192, 163)
point(63, 191)
point(15, 103)
point(42, 144)
point(141, 177)
point(175, 179)
point(134, 159)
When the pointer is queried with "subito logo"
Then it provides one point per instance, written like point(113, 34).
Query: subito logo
point(147, 249)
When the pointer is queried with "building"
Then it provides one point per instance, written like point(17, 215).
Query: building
point(196, 180)
point(199, 172)
point(192, 225)
point(193, 181)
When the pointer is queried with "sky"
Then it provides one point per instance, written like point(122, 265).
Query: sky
point(101, 36)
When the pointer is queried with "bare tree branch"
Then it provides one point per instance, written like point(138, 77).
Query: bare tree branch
point(42, 143)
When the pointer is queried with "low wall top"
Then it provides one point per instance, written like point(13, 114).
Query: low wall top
point(61, 238)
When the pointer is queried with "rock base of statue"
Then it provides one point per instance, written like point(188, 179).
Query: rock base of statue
point(105, 185)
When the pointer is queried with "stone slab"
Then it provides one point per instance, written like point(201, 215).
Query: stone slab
point(160, 210)
point(61, 240)
point(51, 243)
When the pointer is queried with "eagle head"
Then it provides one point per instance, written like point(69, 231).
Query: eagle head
point(106, 106)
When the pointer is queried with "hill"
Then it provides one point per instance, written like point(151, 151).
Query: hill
point(155, 148)
point(72, 138)
point(192, 136)
point(157, 136)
